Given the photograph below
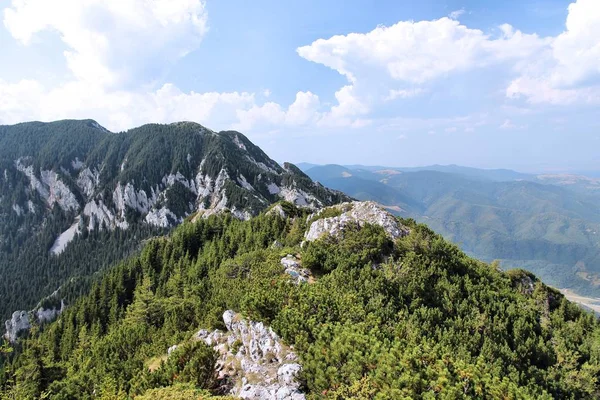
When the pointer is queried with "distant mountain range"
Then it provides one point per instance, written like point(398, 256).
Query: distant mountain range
point(75, 197)
point(549, 224)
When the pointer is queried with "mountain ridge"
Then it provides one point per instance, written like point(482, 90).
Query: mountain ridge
point(386, 309)
point(547, 224)
point(62, 182)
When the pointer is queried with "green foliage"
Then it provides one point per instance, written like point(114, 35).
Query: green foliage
point(193, 363)
point(180, 392)
point(329, 212)
point(492, 214)
point(414, 319)
point(356, 248)
point(164, 158)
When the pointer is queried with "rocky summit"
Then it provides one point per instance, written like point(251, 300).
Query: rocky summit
point(356, 212)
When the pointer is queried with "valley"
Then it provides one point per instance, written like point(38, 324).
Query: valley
point(549, 225)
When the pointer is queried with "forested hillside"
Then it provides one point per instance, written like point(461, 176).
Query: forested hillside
point(552, 230)
point(75, 198)
point(390, 312)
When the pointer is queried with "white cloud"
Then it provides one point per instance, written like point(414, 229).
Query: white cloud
point(510, 125)
point(568, 70)
point(417, 52)
point(577, 50)
point(117, 110)
point(456, 13)
point(540, 90)
point(507, 124)
point(348, 111)
point(269, 116)
point(113, 42)
point(468, 123)
point(403, 93)
point(559, 70)
point(414, 54)
point(118, 51)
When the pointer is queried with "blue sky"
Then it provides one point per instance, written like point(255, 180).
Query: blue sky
point(512, 84)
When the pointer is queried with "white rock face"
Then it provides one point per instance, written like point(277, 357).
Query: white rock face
point(273, 188)
point(127, 196)
point(76, 164)
point(49, 315)
point(50, 187)
point(59, 192)
point(299, 197)
point(170, 180)
point(253, 357)
point(18, 323)
point(161, 217)
point(17, 209)
point(238, 142)
point(171, 349)
point(277, 210)
point(61, 242)
point(99, 214)
point(244, 183)
point(241, 214)
point(261, 165)
point(87, 181)
point(366, 212)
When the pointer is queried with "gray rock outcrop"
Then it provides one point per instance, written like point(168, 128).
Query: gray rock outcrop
point(293, 267)
point(18, 323)
point(357, 212)
point(253, 357)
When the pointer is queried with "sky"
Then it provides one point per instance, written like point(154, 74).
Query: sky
point(490, 84)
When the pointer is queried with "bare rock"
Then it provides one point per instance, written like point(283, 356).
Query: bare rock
point(255, 359)
point(357, 212)
point(18, 323)
point(293, 267)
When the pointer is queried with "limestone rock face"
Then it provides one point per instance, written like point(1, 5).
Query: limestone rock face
point(277, 210)
point(16, 324)
point(20, 321)
point(357, 212)
point(49, 314)
point(253, 357)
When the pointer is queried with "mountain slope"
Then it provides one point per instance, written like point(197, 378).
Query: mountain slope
point(548, 229)
point(390, 311)
point(68, 184)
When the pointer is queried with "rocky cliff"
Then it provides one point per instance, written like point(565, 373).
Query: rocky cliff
point(155, 174)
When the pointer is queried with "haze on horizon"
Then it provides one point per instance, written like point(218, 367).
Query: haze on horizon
point(512, 84)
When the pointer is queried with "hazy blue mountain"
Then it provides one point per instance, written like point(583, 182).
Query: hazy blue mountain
point(547, 224)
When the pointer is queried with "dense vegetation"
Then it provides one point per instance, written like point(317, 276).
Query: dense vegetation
point(496, 214)
point(142, 157)
point(415, 318)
